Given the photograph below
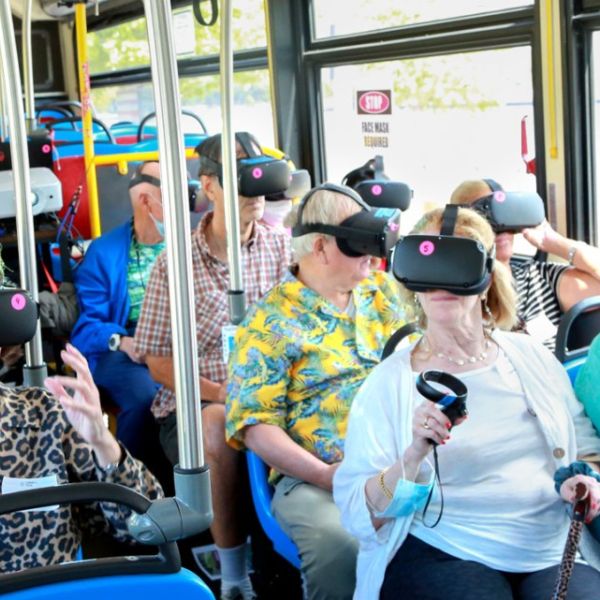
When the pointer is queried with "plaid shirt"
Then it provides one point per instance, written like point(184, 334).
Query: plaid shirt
point(265, 259)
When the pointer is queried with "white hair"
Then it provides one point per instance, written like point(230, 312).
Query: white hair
point(324, 206)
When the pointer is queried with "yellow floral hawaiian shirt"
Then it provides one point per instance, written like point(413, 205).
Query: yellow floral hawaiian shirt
point(298, 361)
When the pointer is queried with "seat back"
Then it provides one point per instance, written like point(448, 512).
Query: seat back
point(577, 328)
point(572, 367)
point(262, 493)
point(183, 584)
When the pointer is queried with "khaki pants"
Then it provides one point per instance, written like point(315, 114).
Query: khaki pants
point(328, 552)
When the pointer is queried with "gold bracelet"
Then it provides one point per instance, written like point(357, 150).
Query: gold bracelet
point(385, 488)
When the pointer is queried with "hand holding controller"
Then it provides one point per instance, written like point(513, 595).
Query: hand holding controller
point(453, 405)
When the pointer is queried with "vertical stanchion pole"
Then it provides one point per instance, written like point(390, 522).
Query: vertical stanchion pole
point(86, 118)
point(35, 370)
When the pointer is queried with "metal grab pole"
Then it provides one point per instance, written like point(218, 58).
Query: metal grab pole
point(192, 482)
point(237, 298)
point(35, 370)
point(3, 118)
point(28, 69)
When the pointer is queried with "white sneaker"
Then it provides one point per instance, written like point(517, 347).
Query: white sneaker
point(241, 590)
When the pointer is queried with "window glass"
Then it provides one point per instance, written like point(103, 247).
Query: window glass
point(126, 45)
point(596, 79)
point(200, 95)
point(342, 17)
point(451, 118)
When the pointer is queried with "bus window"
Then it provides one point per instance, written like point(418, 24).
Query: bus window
point(200, 95)
point(368, 15)
point(450, 118)
point(126, 45)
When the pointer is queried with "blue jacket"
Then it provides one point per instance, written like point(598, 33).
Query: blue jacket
point(101, 285)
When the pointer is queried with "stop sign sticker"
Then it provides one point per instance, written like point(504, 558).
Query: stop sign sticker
point(374, 102)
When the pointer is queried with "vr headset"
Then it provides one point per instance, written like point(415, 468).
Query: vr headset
point(361, 234)
point(509, 211)
point(456, 264)
point(193, 185)
point(375, 187)
point(258, 174)
point(19, 317)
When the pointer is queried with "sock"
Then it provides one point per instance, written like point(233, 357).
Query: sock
point(234, 565)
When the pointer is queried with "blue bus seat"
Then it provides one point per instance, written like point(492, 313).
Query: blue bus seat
point(262, 493)
point(572, 367)
point(183, 584)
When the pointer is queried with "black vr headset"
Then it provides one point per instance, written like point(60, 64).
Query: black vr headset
point(361, 234)
point(456, 264)
point(258, 174)
point(19, 314)
point(192, 184)
point(509, 211)
point(375, 187)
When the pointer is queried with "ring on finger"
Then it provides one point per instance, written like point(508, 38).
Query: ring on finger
point(426, 423)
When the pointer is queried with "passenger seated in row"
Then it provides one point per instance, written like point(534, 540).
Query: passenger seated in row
point(299, 357)
point(502, 526)
point(54, 439)
point(545, 290)
point(111, 283)
point(265, 257)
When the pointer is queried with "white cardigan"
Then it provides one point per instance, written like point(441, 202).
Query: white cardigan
point(380, 428)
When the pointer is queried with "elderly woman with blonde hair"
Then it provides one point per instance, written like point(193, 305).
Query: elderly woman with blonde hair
point(502, 525)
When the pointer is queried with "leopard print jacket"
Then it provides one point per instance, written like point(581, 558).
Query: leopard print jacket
point(37, 440)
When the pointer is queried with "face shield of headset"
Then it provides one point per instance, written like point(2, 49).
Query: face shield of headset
point(456, 264)
point(510, 211)
point(360, 234)
point(257, 173)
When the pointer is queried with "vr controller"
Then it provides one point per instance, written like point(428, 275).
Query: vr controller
point(456, 264)
point(19, 317)
point(258, 174)
point(361, 234)
point(510, 211)
point(453, 405)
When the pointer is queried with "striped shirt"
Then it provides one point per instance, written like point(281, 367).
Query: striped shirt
point(537, 288)
point(265, 259)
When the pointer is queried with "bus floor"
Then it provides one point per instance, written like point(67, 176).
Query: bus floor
point(273, 577)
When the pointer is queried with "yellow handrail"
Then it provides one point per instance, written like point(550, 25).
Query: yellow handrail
point(86, 118)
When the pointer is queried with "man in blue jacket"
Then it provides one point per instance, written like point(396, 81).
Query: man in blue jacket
point(111, 283)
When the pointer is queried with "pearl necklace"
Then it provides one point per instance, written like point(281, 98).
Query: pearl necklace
point(470, 359)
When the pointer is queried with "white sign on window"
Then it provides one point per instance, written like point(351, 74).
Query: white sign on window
point(184, 32)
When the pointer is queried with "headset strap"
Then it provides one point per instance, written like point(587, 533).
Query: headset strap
point(449, 219)
point(493, 185)
point(144, 178)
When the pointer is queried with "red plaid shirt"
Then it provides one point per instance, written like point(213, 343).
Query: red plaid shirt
point(265, 259)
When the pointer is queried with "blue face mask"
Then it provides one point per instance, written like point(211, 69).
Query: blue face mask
point(160, 226)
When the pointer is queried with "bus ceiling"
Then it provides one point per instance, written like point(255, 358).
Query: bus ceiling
point(46, 10)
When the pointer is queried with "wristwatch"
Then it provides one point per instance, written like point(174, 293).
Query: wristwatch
point(571, 255)
point(114, 342)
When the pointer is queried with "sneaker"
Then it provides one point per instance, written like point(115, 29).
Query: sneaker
point(240, 591)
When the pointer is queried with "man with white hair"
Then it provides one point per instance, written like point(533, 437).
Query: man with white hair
point(111, 284)
point(300, 356)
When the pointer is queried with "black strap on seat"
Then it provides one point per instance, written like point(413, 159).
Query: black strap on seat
point(397, 337)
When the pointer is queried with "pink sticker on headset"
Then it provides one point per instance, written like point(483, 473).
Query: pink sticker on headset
point(499, 196)
point(18, 302)
point(257, 173)
point(426, 248)
point(376, 190)
point(46, 148)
